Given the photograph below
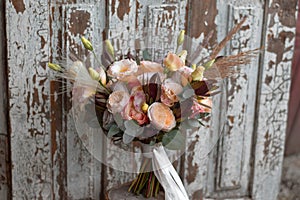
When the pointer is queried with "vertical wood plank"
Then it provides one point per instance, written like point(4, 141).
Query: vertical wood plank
point(27, 37)
point(229, 170)
point(4, 168)
point(200, 21)
point(83, 169)
point(273, 96)
point(77, 171)
point(4, 135)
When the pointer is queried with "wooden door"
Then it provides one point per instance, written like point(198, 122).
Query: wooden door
point(49, 161)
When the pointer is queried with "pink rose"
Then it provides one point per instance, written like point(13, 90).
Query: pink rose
point(130, 112)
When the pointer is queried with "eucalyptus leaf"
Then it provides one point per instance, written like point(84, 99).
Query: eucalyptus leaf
point(188, 93)
point(146, 55)
point(194, 123)
point(173, 140)
point(114, 130)
point(119, 121)
point(94, 123)
point(127, 138)
point(132, 128)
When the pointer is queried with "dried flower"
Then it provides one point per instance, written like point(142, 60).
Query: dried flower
point(173, 62)
point(161, 117)
point(87, 44)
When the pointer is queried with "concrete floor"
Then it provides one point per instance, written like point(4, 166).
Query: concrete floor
point(290, 181)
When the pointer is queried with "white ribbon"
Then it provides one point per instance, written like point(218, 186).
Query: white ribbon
point(167, 175)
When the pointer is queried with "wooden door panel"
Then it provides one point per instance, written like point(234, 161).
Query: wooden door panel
point(50, 161)
point(231, 165)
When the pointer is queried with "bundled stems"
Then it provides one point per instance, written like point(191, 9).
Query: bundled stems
point(146, 181)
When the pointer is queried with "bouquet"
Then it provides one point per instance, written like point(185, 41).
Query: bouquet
point(153, 102)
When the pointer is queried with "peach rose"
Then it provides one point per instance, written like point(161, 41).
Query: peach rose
point(161, 117)
point(173, 62)
point(148, 66)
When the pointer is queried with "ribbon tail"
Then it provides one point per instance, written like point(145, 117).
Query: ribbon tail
point(167, 175)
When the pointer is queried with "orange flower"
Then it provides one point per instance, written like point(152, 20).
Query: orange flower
point(173, 62)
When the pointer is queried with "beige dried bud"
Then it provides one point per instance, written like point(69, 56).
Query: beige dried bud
point(197, 75)
point(182, 55)
point(110, 48)
point(54, 67)
point(209, 64)
point(180, 38)
point(94, 74)
point(87, 44)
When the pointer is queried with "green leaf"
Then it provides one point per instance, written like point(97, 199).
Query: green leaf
point(194, 123)
point(114, 129)
point(119, 121)
point(188, 92)
point(132, 128)
point(173, 140)
point(190, 124)
point(146, 55)
point(127, 138)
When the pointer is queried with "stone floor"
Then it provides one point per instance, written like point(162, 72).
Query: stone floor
point(290, 182)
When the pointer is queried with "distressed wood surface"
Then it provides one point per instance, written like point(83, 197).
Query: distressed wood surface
point(51, 161)
point(273, 96)
point(4, 137)
point(231, 163)
point(82, 178)
point(28, 43)
point(292, 144)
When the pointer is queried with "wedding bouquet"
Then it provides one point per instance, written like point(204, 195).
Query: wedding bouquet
point(155, 103)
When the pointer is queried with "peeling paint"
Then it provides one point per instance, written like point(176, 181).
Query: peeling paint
point(123, 8)
point(79, 21)
point(18, 5)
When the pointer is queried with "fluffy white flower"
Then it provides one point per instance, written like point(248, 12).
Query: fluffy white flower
point(123, 68)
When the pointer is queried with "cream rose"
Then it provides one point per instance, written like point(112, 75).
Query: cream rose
point(117, 101)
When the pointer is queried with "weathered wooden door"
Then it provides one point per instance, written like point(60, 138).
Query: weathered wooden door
point(47, 160)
